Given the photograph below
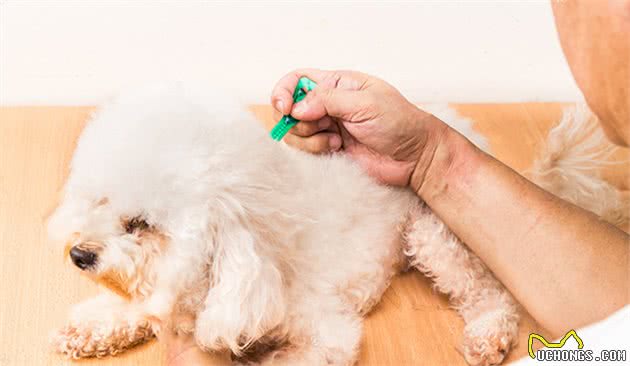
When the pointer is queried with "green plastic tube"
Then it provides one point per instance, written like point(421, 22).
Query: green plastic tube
point(283, 126)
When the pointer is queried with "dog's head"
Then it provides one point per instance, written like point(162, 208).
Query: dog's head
point(115, 248)
point(147, 170)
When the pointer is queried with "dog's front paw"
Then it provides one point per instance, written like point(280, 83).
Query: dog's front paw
point(79, 341)
point(76, 342)
point(487, 341)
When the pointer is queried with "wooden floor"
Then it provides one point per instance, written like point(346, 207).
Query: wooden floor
point(411, 326)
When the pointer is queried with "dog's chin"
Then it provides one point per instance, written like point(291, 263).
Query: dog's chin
point(112, 280)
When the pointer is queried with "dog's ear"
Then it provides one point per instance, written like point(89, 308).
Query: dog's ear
point(68, 217)
point(247, 296)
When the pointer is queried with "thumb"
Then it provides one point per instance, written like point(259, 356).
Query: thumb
point(349, 105)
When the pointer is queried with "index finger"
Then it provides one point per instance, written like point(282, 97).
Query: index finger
point(282, 93)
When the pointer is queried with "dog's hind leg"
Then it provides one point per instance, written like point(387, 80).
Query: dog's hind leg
point(101, 326)
point(490, 312)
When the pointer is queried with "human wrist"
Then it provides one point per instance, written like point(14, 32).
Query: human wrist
point(446, 160)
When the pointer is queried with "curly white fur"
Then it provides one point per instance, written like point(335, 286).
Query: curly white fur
point(459, 123)
point(569, 163)
point(102, 326)
point(259, 243)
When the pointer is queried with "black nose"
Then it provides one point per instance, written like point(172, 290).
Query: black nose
point(82, 258)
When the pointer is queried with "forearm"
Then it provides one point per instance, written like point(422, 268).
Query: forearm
point(567, 267)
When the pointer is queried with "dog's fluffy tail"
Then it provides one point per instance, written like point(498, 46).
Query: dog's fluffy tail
point(570, 162)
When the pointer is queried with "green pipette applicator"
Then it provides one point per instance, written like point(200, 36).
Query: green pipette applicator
point(283, 126)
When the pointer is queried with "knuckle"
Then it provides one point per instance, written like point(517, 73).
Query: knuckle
point(298, 130)
point(331, 80)
point(335, 77)
point(303, 129)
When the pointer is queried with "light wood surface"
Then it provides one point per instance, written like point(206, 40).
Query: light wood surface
point(412, 325)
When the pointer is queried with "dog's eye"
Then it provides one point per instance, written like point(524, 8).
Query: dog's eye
point(133, 224)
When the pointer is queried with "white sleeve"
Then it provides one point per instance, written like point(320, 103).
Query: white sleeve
point(612, 333)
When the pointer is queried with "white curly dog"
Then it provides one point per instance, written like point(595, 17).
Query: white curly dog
point(182, 205)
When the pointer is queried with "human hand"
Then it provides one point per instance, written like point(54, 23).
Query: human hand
point(365, 117)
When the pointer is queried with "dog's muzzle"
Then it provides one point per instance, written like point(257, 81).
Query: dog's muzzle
point(82, 258)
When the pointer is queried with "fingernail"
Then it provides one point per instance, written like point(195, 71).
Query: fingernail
point(334, 142)
point(280, 106)
point(323, 124)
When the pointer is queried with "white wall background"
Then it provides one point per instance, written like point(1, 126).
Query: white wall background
point(80, 52)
